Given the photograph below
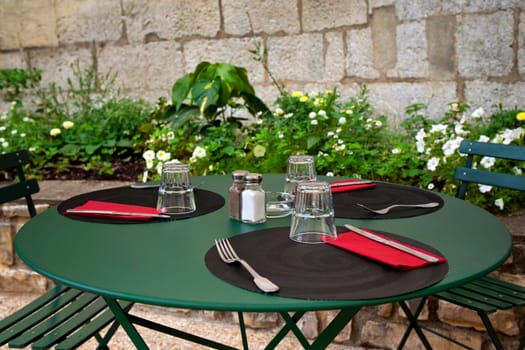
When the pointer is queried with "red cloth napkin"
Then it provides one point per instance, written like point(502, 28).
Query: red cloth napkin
point(100, 205)
point(338, 189)
point(377, 251)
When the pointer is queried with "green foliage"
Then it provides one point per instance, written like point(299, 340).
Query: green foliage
point(212, 89)
point(85, 124)
point(14, 81)
point(437, 151)
point(88, 125)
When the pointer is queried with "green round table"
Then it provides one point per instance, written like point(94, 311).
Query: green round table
point(162, 263)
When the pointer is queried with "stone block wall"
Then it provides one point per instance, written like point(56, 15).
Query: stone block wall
point(379, 327)
point(406, 51)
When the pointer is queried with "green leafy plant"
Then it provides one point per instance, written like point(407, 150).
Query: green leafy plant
point(83, 127)
point(14, 81)
point(437, 147)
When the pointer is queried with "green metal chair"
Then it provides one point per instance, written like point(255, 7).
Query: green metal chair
point(63, 316)
point(484, 295)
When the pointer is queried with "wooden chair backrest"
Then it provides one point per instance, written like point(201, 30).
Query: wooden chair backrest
point(22, 188)
point(467, 174)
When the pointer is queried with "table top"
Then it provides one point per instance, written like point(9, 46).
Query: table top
point(162, 263)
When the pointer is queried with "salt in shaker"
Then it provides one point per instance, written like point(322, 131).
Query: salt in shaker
point(253, 208)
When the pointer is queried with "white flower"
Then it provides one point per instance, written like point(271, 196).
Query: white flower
point(378, 123)
point(510, 135)
point(279, 111)
point(149, 163)
point(396, 150)
point(484, 138)
point(149, 155)
point(341, 120)
point(484, 188)
point(338, 130)
point(420, 145)
point(5, 144)
point(478, 113)
point(314, 122)
point(330, 134)
point(259, 151)
point(499, 203)
point(329, 173)
point(163, 156)
point(2, 128)
point(433, 163)
point(451, 146)
point(288, 115)
point(170, 135)
point(312, 115)
point(68, 124)
point(442, 128)
point(199, 152)
point(420, 135)
point(517, 171)
point(458, 129)
point(281, 135)
point(55, 132)
point(158, 168)
point(13, 132)
point(487, 162)
point(431, 186)
point(322, 113)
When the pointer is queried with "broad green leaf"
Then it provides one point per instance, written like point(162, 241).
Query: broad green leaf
point(181, 89)
point(312, 141)
point(205, 93)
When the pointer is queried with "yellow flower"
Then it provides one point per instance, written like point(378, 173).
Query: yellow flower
point(68, 124)
point(259, 151)
point(55, 132)
point(303, 98)
point(520, 116)
point(297, 93)
point(279, 111)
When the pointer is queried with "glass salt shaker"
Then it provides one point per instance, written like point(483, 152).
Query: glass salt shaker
point(235, 192)
point(253, 208)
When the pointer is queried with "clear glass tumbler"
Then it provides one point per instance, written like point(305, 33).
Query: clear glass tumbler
point(175, 191)
point(313, 215)
point(300, 168)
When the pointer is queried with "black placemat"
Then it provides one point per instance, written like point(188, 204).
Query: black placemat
point(383, 195)
point(205, 201)
point(319, 271)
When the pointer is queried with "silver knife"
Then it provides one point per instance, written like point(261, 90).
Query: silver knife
point(113, 212)
point(350, 183)
point(393, 244)
point(140, 185)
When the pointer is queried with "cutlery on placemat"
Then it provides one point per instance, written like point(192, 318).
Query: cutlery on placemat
point(228, 255)
point(385, 210)
point(140, 185)
point(350, 183)
point(113, 212)
point(393, 244)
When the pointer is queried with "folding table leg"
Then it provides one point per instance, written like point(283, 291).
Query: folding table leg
point(324, 339)
point(122, 318)
point(412, 319)
point(243, 331)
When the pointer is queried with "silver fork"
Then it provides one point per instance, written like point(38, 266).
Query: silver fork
point(387, 209)
point(228, 255)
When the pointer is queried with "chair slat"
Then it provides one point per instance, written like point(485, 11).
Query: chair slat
point(492, 150)
point(88, 330)
point(18, 190)
point(515, 182)
point(13, 160)
point(49, 324)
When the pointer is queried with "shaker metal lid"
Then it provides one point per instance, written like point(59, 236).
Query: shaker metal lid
point(253, 178)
